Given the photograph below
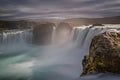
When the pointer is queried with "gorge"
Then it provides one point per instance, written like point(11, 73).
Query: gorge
point(49, 52)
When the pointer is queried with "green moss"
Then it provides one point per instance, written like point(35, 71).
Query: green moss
point(118, 46)
point(101, 64)
point(103, 55)
point(2, 28)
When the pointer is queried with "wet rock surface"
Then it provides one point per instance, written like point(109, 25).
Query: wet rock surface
point(104, 54)
point(42, 33)
point(97, 25)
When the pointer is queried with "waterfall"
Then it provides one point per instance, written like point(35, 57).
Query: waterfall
point(81, 35)
point(48, 62)
point(84, 34)
point(53, 35)
point(72, 34)
point(65, 62)
point(15, 36)
point(15, 40)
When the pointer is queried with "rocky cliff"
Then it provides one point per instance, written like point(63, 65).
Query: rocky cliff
point(104, 54)
point(42, 33)
point(8, 25)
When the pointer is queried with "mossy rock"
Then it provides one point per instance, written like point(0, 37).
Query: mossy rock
point(104, 54)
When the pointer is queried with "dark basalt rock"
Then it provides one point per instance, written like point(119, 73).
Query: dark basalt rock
point(9, 25)
point(97, 25)
point(104, 54)
point(42, 33)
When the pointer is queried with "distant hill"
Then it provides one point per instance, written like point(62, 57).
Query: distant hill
point(22, 24)
point(86, 21)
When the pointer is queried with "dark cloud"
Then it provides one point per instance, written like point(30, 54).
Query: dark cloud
point(57, 9)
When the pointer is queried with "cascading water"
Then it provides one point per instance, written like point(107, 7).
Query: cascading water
point(50, 62)
point(53, 35)
point(15, 40)
point(15, 36)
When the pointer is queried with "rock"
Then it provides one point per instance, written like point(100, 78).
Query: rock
point(104, 54)
point(9, 25)
point(97, 25)
point(42, 33)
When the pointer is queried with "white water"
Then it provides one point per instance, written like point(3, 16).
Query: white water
point(13, 40)
point(53, 62)
point(53, 35)
point(15, 36)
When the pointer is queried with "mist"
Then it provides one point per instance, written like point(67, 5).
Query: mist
point(63, 61)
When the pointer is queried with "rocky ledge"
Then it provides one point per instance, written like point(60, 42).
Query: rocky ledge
point(97, 25)
point(104, 54)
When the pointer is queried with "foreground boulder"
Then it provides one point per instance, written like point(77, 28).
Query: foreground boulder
point(104, 54)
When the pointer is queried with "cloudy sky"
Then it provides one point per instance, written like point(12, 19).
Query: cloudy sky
point(57, 9)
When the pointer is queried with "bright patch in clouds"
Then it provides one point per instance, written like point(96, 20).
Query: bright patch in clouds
point(57, 18)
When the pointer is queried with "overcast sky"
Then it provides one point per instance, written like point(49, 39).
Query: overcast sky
point(57, 9)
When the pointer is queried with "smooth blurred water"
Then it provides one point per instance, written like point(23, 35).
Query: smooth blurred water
point(50, 62)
